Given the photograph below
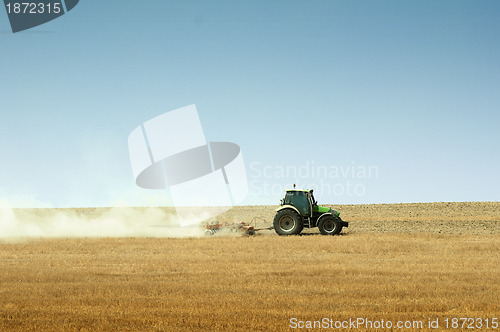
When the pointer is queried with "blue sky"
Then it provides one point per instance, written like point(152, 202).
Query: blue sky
point(407, 88)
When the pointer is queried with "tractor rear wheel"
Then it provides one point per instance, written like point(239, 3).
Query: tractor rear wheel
point(288, 222)
point(330, 225)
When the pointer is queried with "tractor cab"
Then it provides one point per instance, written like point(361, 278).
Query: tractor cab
point(302, 200)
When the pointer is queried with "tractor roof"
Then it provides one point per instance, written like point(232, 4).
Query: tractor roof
point(303, 190)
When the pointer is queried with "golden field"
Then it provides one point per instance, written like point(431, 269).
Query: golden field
point(395, 262)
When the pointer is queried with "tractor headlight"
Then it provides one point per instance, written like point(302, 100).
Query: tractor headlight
point(334, 212)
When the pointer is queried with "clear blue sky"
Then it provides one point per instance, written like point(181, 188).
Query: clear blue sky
point(409, 89)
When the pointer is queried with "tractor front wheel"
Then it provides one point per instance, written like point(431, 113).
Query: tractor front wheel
point(330, 225)
point(288, 222)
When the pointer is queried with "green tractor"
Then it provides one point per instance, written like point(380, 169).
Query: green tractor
point(299, 209)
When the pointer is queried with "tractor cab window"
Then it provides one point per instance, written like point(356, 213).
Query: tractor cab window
point(301, 202)
point(311, 199)
point(288, 197)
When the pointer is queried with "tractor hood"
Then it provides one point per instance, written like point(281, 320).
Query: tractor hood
point(322, 209)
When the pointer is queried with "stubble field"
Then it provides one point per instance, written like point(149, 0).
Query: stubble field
point(400, 263)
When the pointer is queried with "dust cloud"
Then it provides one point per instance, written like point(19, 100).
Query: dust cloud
point(92, 222)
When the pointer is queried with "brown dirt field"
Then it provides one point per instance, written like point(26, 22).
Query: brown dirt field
point(396, 262)
point(443, 218)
